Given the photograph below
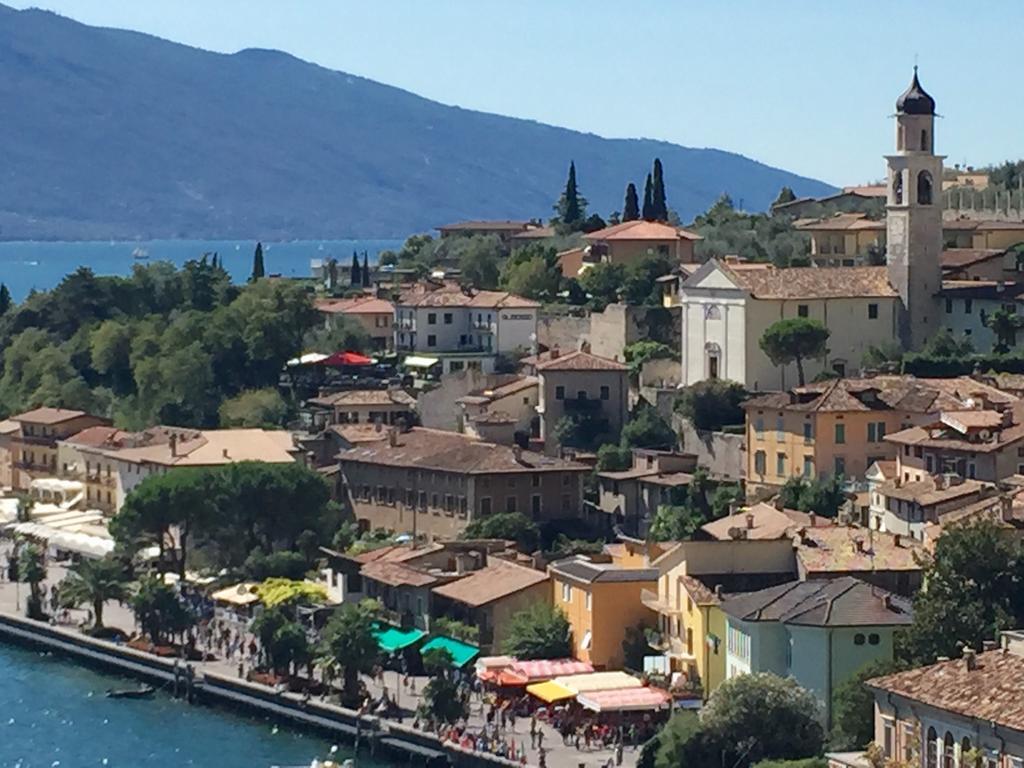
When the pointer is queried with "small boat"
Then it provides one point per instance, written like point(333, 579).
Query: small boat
point(140, 253)
point(131, 693)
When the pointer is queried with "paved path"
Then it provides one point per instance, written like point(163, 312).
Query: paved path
point(558, 755)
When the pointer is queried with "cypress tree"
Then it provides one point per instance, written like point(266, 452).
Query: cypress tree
point(257, 263)
point(366, 270)
point(571, 212)
point(648, 210)
point(631, 208)
point(658, 203)
point(5, 299)
point(355, 274)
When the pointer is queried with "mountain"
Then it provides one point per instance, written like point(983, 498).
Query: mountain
point(108, 133)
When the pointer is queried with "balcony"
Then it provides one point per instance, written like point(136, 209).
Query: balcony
point(656, 603)
point(404, 325)
point(49, 441)
point(482, 325)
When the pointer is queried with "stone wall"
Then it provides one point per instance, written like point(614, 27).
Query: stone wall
point(723, 455)
point(621, 325)
point(563, 331)
point(437, 408)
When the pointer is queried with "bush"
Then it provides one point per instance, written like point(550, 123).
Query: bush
point(712, 404)
point(647, 429)
point(614, 458)
point(514, 526)
point(540, 632)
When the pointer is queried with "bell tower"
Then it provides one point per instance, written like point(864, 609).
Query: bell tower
point(914, 216)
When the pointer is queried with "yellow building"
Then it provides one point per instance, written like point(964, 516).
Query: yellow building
point(33, 446)
point(844, 240)
point(965, 233)
point(375, 316)
point(602, 601)
point(630, 241)
point(839, 426)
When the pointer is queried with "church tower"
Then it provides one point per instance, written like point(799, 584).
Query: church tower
point(914, 216)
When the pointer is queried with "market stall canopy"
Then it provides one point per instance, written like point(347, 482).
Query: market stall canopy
point(237, 594)
point(68, 540)
point(525, 672)
point(625, 700)
point(461, 653)
point(346, 358)
point(598, 681)
point(391, 639)
point(550, 692)
point(488, 667)
point(416, 361)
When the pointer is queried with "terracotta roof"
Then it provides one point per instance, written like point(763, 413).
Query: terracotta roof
point(842, 602)
point(359, 433)
point(885, 467)
point(396, 574)
point(641, 230)
point(840, 222)
point(991, 692)
point(95, 436)
point(700, 592)
point(769, 523)
point(669, 479)
point(535, 233)
point(488, 395)
point(363, 305)
point(974, 419)
point(396, 553)
point(958, 258)
point(48, 415)
point(454, 452)
point(450, 295)
point(867, 190)
point(974, 225)
point(943, 435)
point(498, 579)
point(507, 224)
point(9, 427)
point(813, 282)
point(205, 448)
point(930, 490)
point(583, 569)
point(835, 549)
point(580, 361)
point(356, 397)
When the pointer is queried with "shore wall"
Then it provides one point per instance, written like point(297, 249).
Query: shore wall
point(386, 735)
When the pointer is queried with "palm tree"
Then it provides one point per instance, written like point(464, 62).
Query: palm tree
point(94, 582)
point(349, 643)
point(32, 569)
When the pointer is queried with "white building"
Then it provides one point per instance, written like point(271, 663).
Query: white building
point(463, 328)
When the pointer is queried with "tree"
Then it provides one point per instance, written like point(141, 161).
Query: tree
point(585, 430)
point(853, 707)
point(343, 334)
point(264, 408)
point(614, 458)
point(648, 209)
point(639, 352)
point(479, 261)
point(688, 511)
point(635, 646)
point(355, 273)
point(646, 428)
point(786, 195)
point(631, 207)
point(258, 270)
point(540, 632)
point(94, 582)
point(366, 270)
point(712, 404)
point(533, 272)
point(822, 496)
point(885, 354)
point(973, 592)
point(794, 340)
point(444, 701)
point(683, 741)
point(944, 344)
point(513, 526)
point(159, 611)
point(282, 639)
point(260, 565)
point(640, 286)
point(1004, 323)
point(571, 207)
point(603, 282)
point(5, 299)
point(659, 206)
point(349, 643)
point(32, 570)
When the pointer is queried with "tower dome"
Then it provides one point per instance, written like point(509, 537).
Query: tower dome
point(915, 100)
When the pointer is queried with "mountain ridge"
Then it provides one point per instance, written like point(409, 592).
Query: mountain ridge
point(109, 133)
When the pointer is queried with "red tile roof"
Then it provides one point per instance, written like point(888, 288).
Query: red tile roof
point(580, 361)
point(641, 230)
point(813, 282)
point(364, 305)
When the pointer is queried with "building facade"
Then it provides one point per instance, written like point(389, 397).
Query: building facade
point(631, 241)
point(33, 445)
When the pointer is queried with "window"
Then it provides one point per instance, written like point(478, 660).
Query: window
point(887, 737)
point(858, 639)
point(606, 393)
point(897, 188)
point(566, 502)
point(808, 466)
point(587, 600)
point(840, 434)
point(512, 481)
point(759, 463)
point(431, 340)
point(780, 464)
point(535, 505)
point(559, 392)
point(924, 188)
point(759, 428)
point(872, 311)
point(876, 431)
point(932, 749)
point(840, 465)
point(874, 639)
point(802, 310)
point(908, 743)
point(948, 751)
point(485, 505)
point(949, 306)
point(432, 318)
point(510, 503)
point(780, 429)
point(808, 433)
point(566, 593)
point(535, 480)
point(968, 306)
point(447, 318)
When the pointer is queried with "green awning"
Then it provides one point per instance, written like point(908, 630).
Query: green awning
point(462, 653)
point(391, 639)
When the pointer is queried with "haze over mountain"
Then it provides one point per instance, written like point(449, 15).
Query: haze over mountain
point(115, 134)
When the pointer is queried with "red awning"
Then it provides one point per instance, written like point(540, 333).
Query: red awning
point(524, 672)
point(347, 358)
point(628, 700)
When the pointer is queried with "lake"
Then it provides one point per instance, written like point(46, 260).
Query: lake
point(53, 714)
point(41, 265)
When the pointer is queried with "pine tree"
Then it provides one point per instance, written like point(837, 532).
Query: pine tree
point(648, 209)
point(257, 263)
point(572, 208)
point(5, 299)
point(366, 270)
point(631, 208)
point(355, 275)
point(659, 206)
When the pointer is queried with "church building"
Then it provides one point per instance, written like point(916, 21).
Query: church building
point(726, 307)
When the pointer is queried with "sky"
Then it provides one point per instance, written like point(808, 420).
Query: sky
point(808, 86)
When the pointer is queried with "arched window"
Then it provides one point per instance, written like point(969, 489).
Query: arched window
point(897, 188)
point(924, 188)
point(924, 140)
point(965, 747)
point(714, 359)
point(932, 751)
point(948, 751)
point(712, 312)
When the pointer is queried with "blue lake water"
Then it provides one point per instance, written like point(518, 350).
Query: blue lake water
point(53, 714)
point(41, 265)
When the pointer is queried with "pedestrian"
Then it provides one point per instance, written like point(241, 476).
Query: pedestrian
point(618, 753)
point(540, 739)
point(542, 759)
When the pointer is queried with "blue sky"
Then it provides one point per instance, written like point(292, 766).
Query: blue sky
point(806, 86)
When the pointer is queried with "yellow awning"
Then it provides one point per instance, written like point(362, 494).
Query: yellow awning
point(550, 692)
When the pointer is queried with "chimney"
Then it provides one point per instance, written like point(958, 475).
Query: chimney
point(989, 645)
point(393, 437)
point(777, 502)
point(224, 452)
point(750, 521)
point(555, 353)
point(517, 454)
point(887, 601)
point(858, 546)
point(970, 659)
point(812, 519)
point(718, 591)
point(897, 541)
point(172, 441)
point(585, 347)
